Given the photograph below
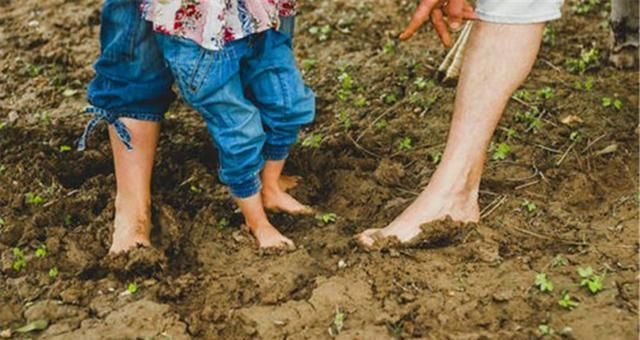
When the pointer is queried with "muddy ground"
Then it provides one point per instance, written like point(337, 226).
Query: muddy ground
point(565, 196)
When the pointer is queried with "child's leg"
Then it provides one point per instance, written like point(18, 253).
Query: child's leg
point(213, 87)
point(285, 104)
point(131, 91)
point(132, 223)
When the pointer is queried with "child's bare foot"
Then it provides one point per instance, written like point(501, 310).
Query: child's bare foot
point(287, 183)
point(129, 232)
point(277, 200)
point(268, 237)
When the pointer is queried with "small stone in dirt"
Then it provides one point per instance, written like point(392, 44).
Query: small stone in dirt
point(6, 333)
point(342, 264)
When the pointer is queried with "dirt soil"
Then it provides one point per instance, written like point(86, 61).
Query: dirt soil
point(564, 197)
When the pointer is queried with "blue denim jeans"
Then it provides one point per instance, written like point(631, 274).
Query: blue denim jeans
point(131, 78)
point(251, 96)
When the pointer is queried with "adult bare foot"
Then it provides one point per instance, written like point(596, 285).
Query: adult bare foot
point(276, 199)
point(130, 231)
point(268, 237)
point(428, 207)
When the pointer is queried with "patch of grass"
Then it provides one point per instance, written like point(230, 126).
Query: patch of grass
point(345, 119)
point(389, 47)
point(545, 93)
point(588, 59)
point(543, 282)
point(549, 36)
point(583, 7)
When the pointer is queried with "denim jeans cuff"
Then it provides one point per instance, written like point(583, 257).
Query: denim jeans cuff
point(247, 188)
point(275, 152)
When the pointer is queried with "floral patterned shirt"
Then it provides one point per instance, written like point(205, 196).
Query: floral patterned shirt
point(212, 23)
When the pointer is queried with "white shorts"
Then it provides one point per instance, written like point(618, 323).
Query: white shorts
point(518, 11)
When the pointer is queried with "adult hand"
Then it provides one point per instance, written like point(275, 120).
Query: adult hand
point(455, 10)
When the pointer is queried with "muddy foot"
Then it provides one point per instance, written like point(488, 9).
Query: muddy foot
point(430, 234)
point(130, 233)
point(277, 200)
point(287, 183)
point(270, 239)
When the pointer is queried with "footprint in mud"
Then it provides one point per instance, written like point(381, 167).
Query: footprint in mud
point(436, 234)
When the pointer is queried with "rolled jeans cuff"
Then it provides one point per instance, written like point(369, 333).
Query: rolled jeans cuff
point(247, 188)
point(275, 152)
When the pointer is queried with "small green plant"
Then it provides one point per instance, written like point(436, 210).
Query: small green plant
point(222, 223)
point(65, 148)
point(313, 141)
point(19, 261)
point(67, 220)
point(338, 323)
point(389, 47)
point(132, 287)
point(545, 93)
point(321, 32)
point(390, 98)
point(501, 152)
point(545, 330)
point(559, 261)
point(595, 283)
point(575, 136)
point(345, 119)
point(529, 206)
point(436, 157)
point(549, 36)
point(405, 144)
point(34, 199)
point(588, 59)
point(423, 84)
point(567, 301)
point(308, 64)
point(543, 283)
point(586, 85)
point(43, 118)
point(530, 119)
point(523, 95)
point(41, 251)
point(53, 272)
point(584, 6)
point(2, 222)
point(346, 86)
point(327, 218)
point(195, 189)
point(3, 125)
point(360, 101)
point(612, 102)
point(382, 124)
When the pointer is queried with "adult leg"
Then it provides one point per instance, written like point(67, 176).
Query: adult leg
point(132, 223)
point(498, 59)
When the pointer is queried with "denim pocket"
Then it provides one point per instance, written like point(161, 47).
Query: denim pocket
point(122, 25)
point(201, 69)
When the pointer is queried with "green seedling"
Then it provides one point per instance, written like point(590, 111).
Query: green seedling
point(423, 84)
point(595, 283)
point(132, 287)
point(308, 64)
point(584, 6)
point(2, 168)
point(543, 283)
point(2, 222)
point(523, 95)
point(345, 119)
point(43, 118)
point(19, 261)
point(390, 98)
point(338, 323)
point(53, 272)
point(346, 85)
point(34, 199)
point(327, 218)
point(559, 261)
point(313, 141)
point(3, 125)
point(65, 148)
point(67, 220)
point(612, 102)
point(530, 119)
point(586, 85)
point(436, 157)
point(382, 124)
point(545, 93)
point(567, 301)
point(511, 133)
point(195, 189)
point(389, 47)
point(575, 136)
point(588, 59)
point(322, 32)
point(222, 223)
point(549, 36)
point(501, 152)
point(405, 144)
point(360, 101)
point(33, 70)
point(529, 206)
point(545, 330)
point(41, 251)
